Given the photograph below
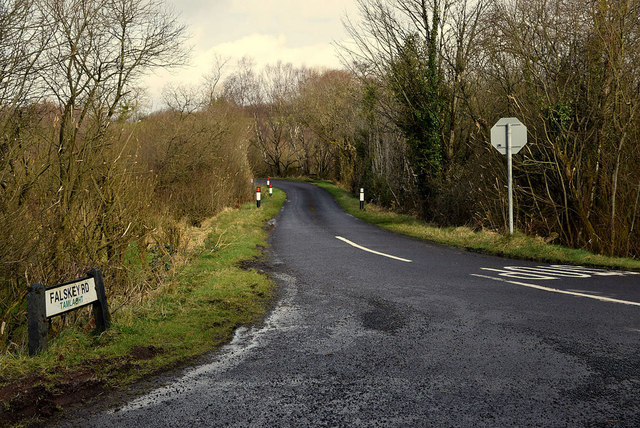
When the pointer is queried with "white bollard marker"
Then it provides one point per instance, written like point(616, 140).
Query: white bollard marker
point(361, 198)
point(268, 181)
point(258, 197)
point(270, 189)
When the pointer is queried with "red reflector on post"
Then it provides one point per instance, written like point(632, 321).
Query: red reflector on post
point(258, 189)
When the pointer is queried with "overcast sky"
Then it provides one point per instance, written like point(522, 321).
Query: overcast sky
point(296, 31)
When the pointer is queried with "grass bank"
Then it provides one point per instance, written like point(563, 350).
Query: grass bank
point(196, 312)
point(517, 246)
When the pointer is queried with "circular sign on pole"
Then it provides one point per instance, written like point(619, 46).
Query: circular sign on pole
point(518, 135)
point(508, 136)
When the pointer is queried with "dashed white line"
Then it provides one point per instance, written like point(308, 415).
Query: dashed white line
point(555, 290)
point(360, 247)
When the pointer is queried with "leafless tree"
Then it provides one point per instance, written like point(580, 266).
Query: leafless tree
point(68, 72)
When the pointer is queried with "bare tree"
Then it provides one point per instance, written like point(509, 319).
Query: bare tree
point(213, 78)
point(96, 52)
point(185, 99)
point(269, 97)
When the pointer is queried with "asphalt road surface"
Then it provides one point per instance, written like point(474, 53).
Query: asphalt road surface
point(377, 329)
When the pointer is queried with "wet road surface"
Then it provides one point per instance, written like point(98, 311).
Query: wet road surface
point(377, 329)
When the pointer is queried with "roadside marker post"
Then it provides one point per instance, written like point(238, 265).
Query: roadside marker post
point(270, 189)
point(45, 303)
point(258, 194)
point(268, 181)
point(508, 136)
point(361, 198)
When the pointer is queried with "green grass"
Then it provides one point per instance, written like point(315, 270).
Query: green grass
point(517, 246)
point(195, 313)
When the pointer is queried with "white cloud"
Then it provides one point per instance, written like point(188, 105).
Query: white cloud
point(262, 48)
point(268, 49)
point(295, 31)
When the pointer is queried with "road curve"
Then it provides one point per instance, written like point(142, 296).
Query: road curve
point(377, 329)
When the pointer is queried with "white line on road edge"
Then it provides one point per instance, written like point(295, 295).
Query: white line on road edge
point(555, 290)
point(353, 244)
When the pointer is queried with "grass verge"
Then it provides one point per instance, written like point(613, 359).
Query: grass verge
point(196, 312)
point(517, 246)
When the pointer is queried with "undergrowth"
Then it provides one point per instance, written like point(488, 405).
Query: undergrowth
point(196, 311)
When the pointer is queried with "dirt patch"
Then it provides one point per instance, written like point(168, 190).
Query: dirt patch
point(144, 352)
point(31, 398)
point(21, 399)
point(255, 264)
point(35, 399)
point(271, 224)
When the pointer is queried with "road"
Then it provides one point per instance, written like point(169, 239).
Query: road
point(377, 329)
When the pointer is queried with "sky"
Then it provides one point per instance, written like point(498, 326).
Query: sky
point(301, 32)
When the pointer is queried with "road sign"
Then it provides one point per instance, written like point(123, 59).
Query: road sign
point(508, 136)
point(70, 296)
point(44, 303)
point(499, 135)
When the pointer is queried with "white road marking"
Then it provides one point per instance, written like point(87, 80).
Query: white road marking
point(548, 270)
point(353, 244)
point(520, 275)
point(594, 271)
point(555, 290)
point(554, 272)
point(583, 291)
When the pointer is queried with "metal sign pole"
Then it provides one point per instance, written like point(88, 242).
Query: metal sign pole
point(510, 173)
point(509, 141)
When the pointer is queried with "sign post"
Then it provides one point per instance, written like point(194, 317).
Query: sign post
point(270, 189)
point(258, 194)
point(100, 307)
point(45, 303)
point(36, 319)
point(361, 198)
point(508, 136)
